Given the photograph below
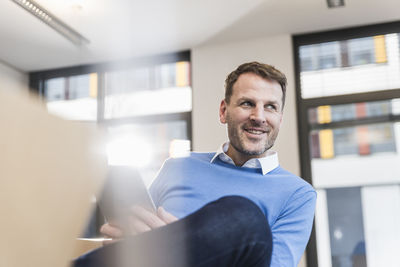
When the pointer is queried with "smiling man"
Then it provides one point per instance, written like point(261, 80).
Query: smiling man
point(253, 113)
point(245, 166)
point(236, 206)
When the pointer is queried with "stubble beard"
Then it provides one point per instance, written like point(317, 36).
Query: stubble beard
point(237, 141)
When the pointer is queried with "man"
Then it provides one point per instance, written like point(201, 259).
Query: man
point(243, 167)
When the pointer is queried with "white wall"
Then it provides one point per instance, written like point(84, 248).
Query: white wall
point(12, 79)
point(381, 212)
point(210, 66)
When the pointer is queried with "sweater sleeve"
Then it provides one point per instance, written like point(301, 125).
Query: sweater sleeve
point(292, 228)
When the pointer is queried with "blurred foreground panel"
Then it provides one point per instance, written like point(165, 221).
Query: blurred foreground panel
point(49, 170)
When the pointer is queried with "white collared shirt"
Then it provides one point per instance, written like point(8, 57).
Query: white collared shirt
point(267, 163)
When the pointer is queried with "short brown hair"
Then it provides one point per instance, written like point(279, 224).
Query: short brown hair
point(263, 70)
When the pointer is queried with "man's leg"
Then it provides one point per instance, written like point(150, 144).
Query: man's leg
point(231, 231)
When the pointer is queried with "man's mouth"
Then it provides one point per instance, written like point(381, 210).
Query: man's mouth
point(255, 131)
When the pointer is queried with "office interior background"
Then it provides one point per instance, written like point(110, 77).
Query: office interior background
point(152, 74)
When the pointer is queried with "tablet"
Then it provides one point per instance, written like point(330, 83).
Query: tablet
point(123, 189)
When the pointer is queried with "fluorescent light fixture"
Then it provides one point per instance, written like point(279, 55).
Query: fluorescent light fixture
point(51, 20)
point(335, 3)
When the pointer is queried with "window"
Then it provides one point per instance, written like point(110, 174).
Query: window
point(135, 95)
point(349, 123)
point(143, 104)
point(361, 51)
point(151, 90)
point(72, 97)
point(328, 55)
point(362, 140)
point(346, 53)
point(332, 68)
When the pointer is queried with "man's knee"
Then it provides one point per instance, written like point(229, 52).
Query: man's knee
point(246, 216)
point(238, 225)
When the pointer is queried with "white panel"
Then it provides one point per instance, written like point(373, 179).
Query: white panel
point(166, 100)
point(354, 170)
point(84, 109)
point(381, 212)
point(322, 230)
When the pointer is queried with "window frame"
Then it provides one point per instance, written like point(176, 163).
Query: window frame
point(37, 82)
point(37, 85)
point(302, 105)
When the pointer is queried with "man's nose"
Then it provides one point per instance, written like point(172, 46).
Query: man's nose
point(258, 115)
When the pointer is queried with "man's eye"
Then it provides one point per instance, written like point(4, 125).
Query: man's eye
point(272, 107)
point(246, 104)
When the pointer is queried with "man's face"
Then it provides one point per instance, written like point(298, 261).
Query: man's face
point(253, 116)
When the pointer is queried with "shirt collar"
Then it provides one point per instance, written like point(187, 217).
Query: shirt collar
point(267, 163)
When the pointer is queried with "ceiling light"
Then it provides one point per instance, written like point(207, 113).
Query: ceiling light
point(335, 3)
point(51, 20)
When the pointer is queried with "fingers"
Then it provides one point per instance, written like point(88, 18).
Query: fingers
point(147, 218)
point(136, 226)
point(144, 220)
point(166, 216)
point(141, 220)
point(111, 231)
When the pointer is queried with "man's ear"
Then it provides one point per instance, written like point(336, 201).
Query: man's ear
point(222, 112)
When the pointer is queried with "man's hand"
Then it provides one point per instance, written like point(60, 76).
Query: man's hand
point(111, 232)
point(141, 220)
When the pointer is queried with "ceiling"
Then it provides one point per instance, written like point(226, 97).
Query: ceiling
point(120, 29)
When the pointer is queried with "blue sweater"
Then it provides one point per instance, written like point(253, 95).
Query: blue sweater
point(186, 184)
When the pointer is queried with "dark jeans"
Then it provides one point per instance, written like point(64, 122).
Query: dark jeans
point(231, 231)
